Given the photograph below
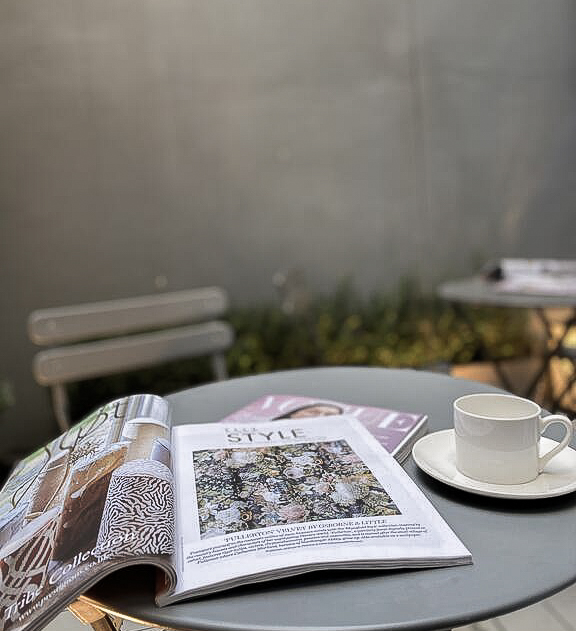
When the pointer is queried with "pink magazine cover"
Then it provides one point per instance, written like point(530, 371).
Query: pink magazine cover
point(396, 431)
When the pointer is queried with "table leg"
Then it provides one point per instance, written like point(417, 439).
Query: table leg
point(553, 348)
point(92, 616)
point(567, 386)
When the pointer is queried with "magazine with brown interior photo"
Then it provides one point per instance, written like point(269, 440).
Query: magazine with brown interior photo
point(255, 501)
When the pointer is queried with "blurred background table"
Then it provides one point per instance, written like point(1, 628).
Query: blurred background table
point(556, 315)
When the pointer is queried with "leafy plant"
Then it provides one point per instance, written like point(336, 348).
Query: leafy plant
point(404, 328)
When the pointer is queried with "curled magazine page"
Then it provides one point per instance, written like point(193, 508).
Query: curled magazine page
point(99, 496)
point(261, 501)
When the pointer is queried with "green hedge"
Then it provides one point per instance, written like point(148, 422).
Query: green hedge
point(405, 328)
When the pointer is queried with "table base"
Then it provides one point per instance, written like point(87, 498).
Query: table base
point(94, 617)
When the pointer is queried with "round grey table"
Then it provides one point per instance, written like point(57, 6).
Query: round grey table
point(478, 291)
point(523, 550)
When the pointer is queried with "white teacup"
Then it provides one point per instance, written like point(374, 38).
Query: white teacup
point(497, 437)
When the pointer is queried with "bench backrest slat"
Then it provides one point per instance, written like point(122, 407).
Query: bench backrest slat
point(104, 357)
point(62, 325)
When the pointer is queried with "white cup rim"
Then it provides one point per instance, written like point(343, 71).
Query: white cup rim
point(478, 395)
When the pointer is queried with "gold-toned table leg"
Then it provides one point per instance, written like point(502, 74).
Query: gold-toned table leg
point(92, 616)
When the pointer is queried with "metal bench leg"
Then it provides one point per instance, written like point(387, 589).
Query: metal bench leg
point(60, 405)
point(92, 616)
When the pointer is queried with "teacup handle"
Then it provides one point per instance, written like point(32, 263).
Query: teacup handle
point(548, 420)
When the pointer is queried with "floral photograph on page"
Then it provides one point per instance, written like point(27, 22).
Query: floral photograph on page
point(248, 488)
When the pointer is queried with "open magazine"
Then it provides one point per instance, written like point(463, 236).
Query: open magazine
point(212, 505)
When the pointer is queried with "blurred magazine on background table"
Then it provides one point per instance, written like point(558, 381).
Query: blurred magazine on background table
point(537, 276)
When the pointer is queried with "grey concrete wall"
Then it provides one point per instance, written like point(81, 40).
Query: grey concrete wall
point(148, 144)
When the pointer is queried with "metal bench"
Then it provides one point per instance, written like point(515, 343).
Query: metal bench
point(103, 338)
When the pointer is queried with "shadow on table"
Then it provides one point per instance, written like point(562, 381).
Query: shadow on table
point(495, 504)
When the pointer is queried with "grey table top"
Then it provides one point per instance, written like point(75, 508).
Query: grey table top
point(478, 291)
point(523, 550)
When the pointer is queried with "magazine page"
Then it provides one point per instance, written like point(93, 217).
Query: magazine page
point(99, 495)
point(260, 501)
point(395, 430)
point(538, 276)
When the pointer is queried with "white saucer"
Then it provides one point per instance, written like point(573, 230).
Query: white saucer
point(434, 454)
